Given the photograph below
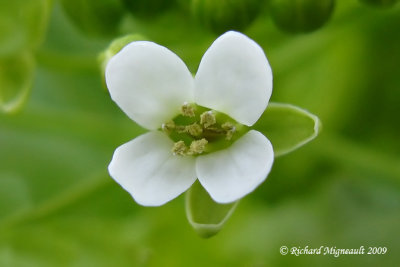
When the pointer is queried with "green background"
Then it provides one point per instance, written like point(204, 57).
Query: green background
point(59, 207)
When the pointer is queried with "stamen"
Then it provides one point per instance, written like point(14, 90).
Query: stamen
point(180, 129)
point(179, 148)
point(230, 130)
point(187, 110)
point(197, 146)
point(168, 127)
point(194, 129)
point(207, 119)
point(201, 132)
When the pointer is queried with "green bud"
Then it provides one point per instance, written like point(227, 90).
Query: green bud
point(95, 17)
point(116, 46)
point(223, 15)
point(380, 3)
point(23, 24)
point(147, 8)
point(302, 15)
point(16, 78)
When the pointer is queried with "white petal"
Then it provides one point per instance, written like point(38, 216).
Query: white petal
point(149, 83)
point(234, 77)
point(146, 168)
point(232, 173)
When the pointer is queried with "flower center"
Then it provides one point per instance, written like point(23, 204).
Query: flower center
point(199, 130)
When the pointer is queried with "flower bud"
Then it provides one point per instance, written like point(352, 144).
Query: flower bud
point(302, 15)
point(223, 15)
point(147, 8)
point(380, 3)
point(23, 24)
point(94, 17)
point(16, 78)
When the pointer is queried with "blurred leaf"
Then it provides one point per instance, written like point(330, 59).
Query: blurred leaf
point(205, 215)
point(59, 144)
point(350, 209)
point(23, 24)
point(14, 194)
point(287, 127)
point(16, 78)
point(380, 3)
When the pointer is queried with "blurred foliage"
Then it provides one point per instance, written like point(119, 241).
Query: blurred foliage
point(147, 9)
point(382, 3)
point(58, 207)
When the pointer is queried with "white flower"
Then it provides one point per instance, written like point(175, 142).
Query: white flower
point(154, 88)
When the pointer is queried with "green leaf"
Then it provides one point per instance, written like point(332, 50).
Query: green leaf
point(14, 194)
point(287, 127)
point(205, 215)
point(16, 78)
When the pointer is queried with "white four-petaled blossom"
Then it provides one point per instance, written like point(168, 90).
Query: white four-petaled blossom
point(150, 83)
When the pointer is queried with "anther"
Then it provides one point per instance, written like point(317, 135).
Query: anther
point(180, 129)
point(194, 129)
point(207, 119)
point(187, 110)
point(168, 127)
point(230, 130)
point(179, 148)
point(197, 146)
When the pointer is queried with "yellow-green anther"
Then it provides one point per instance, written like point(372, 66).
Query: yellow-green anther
point(194, 129)
point(197, 146)
point(200, 130)
point(179, 148)
point(168, 127)
point(207, 119)
point(187, 110)
point(230, 130)
point(180, 129)
point(227, 126)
